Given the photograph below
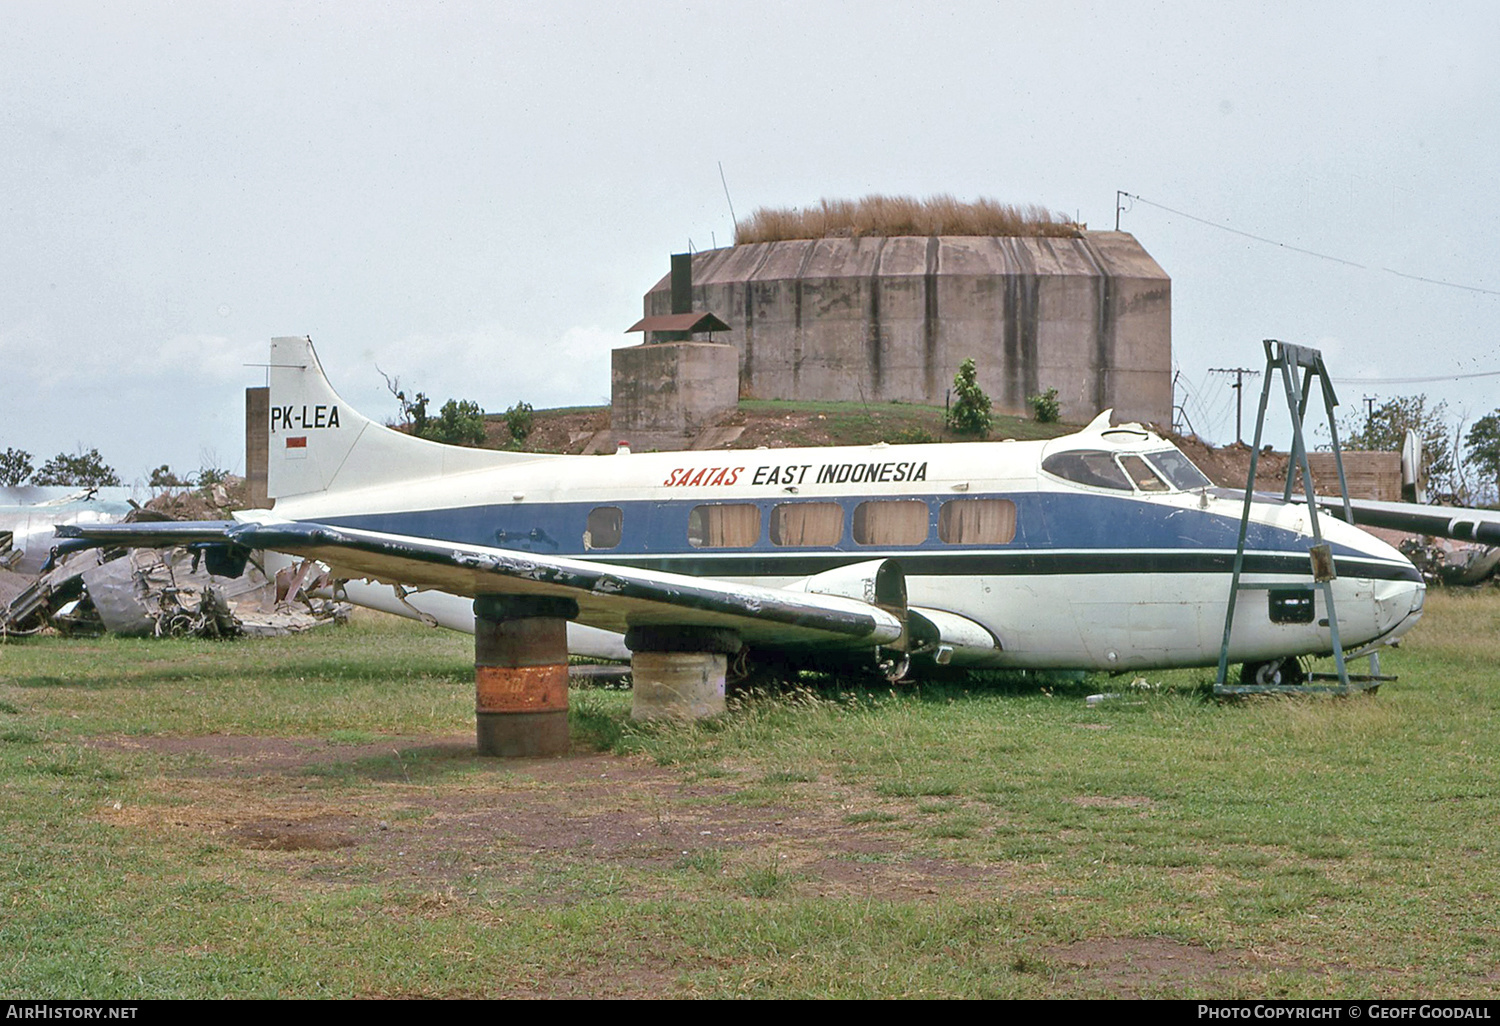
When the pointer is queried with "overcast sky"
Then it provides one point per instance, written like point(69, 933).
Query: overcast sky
point(474, 196)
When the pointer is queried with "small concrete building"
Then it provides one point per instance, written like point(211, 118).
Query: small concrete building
point(879, 319)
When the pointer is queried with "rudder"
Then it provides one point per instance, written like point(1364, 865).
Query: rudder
point(319, 443)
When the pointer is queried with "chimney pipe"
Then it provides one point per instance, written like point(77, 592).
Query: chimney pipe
point(682, 283)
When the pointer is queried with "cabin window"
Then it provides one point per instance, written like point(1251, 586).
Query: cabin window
point(604, 528)
point(1178, 469)
point(977, 522)
point(733, 526)
point(807, 523)
point(1142, 475)
point(1087, 467)
point(896, 522)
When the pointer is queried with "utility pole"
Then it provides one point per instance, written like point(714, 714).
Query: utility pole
point(1239, 395)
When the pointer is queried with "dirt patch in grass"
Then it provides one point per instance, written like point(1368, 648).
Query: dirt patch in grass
point(381, 811)
point(1122, 801)
point(915, 879)
point(321, 834)
point(1138, 966)
point(241, 756)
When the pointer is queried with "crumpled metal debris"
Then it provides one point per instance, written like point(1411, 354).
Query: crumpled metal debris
point(167, 592)
point(1442, 561)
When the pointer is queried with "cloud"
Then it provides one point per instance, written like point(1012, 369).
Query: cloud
point(495, 366)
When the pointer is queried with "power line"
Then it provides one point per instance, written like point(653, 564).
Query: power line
point(1439, 281)
point(1415, 381)
point(1299, 249)
point(1248, 235)
point(1239, 394)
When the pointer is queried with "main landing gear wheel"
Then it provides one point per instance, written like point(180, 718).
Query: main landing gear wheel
point(892, 664)
point(1286, 672)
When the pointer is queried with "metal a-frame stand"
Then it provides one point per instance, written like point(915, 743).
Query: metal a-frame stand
point(1296, 366)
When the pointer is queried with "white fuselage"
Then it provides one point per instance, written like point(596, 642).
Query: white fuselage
point(1064, 569)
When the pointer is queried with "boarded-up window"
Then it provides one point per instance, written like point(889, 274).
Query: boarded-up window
point(898, 522)
point(734, 526)
point(977, 521)
point(807, 523)
point(604, 528)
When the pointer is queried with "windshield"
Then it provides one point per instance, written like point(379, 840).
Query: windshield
point(1161, 471)
point(1087, 467)
point(1178, 469)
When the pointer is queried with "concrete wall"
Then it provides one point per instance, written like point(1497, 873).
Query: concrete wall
point(892, 318)
point(257, 445)
point(671, 388)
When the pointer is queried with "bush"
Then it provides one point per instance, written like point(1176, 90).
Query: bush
point(518, 418)
point(1044, 406)
point(162, 477)
point(970, 412)
point(209, 475)
point(460, 422)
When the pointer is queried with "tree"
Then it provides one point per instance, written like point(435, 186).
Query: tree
point(1385, 427)
point(413, 410)
point(518, 418)
point(460, 422)
point(85, 469)
point(1483, 446)
point(970, 413)
point(15, 467)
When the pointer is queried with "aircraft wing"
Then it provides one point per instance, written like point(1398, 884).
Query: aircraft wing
point(1476, 525)
point(611, 597)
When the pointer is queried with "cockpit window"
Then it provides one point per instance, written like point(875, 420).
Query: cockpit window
point(1141, 474)
point(1091, 467)
point(1178, 469)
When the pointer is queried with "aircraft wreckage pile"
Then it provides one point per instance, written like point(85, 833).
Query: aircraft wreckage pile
point(165, 592)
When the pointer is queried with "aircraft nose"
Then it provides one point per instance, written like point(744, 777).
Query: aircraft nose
point(1398, 606)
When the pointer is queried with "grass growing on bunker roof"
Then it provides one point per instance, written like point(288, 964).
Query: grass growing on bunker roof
point(877, 215)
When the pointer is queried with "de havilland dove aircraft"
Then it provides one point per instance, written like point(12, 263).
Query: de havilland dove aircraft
point(1102, 550)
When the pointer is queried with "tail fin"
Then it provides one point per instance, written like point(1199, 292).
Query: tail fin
point(319, 443)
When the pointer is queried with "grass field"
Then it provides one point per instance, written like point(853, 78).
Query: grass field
point(304, 817)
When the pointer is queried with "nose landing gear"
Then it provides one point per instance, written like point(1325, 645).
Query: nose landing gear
point(1274, 673)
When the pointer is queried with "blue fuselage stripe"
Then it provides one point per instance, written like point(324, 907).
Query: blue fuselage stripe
point(1056, 533)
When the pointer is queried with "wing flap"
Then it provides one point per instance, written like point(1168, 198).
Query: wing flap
point(953, 639)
